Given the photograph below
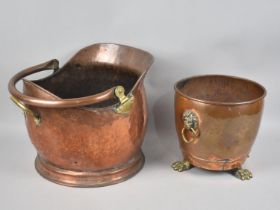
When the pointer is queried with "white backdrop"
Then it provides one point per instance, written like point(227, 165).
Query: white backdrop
point(188, 37)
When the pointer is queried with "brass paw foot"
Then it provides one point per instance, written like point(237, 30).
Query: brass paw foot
point(181, 166)
point(243, 174)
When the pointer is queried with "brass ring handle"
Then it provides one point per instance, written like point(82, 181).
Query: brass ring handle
point(193, 132)
point(57, 103)
point(190, 120)
point(26, 110)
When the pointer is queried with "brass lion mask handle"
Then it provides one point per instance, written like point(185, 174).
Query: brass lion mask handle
point(191, 122)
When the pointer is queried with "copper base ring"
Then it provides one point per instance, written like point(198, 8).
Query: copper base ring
point(89, 179)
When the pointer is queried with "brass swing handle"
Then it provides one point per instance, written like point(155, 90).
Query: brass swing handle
point(190, 120)
point(22, 100)
point(56, 103)
point(124, 107)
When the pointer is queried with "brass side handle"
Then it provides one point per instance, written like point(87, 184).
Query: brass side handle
point(26, 110)
point(126, 102)
point(191, 122)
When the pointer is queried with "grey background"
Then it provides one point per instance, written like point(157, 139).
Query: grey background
point(190, 37)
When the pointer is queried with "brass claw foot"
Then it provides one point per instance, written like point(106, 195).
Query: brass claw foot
point(243, 174)
point(181, 166)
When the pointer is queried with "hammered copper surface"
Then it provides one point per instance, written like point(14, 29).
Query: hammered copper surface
point(81, 140)
point(229, 111)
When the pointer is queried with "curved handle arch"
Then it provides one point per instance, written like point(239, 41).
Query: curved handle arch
point(57, 103)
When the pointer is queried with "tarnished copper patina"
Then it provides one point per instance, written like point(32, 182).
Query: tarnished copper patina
point(87, 120)
point(217, 119)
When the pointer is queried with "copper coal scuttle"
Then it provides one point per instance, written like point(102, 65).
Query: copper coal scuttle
point(87, 119)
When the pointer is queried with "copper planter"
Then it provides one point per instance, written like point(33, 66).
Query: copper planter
point(87, 120)
point(217, 119)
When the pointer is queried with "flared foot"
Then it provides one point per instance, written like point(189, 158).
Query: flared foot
point(181, 166)
point(89, 178)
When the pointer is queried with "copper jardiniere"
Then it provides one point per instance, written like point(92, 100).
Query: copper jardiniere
point(217, 119)
point(87, 120)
